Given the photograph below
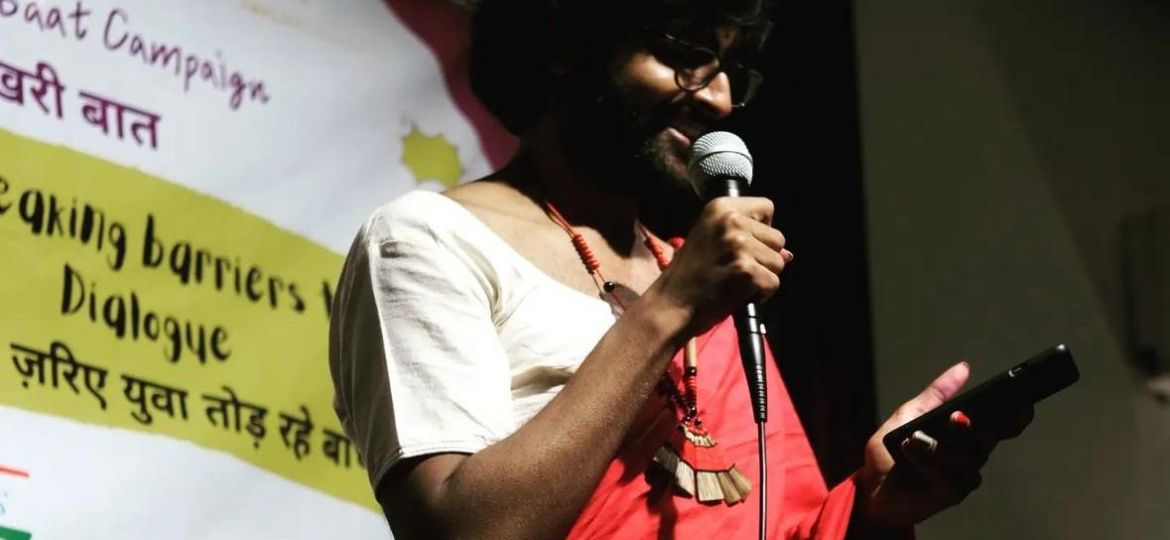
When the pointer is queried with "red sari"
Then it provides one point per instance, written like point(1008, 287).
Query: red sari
point(633, 502)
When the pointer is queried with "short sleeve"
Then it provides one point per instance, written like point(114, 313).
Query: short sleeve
point(415, 357)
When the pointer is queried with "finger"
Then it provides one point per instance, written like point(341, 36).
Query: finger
point(960, 421)
point(943, 388)
point(759, 209)
point(965, 448)
point(919, 449)
point(919, 446)
point(768, 235)
point(772, 260)
point(765, 280)
point(967, 442)
point(949, 479)
point(766, 248)
point(757, 241)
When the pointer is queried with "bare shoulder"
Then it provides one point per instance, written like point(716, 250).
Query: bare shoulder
point(522, 223)
point(481, 192)
point(498, 204)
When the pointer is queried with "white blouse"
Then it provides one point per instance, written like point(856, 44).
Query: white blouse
point(444, 338)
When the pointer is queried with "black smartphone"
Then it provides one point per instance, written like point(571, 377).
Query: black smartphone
point(1029, 382)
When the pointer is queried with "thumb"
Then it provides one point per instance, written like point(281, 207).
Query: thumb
point(941, 389)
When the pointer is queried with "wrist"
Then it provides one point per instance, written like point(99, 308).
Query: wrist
point(667, 319)
point(869, 519)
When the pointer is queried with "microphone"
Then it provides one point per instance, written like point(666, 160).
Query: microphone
point(721, 166)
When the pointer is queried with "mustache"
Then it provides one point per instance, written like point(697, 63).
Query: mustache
point(671, 113)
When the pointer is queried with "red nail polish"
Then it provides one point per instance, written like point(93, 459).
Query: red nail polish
point(960, 419)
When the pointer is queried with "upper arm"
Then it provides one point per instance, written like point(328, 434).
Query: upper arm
point(410, 494)
point(420, 377)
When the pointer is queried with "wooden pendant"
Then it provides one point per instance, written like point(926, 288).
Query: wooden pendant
point(698, 468)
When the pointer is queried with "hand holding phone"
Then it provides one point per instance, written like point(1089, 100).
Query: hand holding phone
point(1023, 385)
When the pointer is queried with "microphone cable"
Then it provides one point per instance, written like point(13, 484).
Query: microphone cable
point(762, 450)
point(763, 480)
point(721, 166)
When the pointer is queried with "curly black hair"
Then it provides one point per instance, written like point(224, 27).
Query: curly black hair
point(522, 48)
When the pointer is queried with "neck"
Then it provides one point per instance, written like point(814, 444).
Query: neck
point(546, 169)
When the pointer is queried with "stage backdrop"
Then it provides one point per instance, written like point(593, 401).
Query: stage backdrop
point(178, 182)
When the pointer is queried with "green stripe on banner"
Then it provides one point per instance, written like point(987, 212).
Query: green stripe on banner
point(13, 534)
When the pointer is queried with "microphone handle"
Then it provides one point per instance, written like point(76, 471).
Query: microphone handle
point(751, 353)
point(747, 324)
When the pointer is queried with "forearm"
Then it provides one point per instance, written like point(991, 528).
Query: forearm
point(534, 483)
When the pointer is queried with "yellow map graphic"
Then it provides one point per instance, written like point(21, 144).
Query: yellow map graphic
point(135, 303)
point(431, 157)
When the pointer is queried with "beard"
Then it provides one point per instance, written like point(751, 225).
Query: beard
point(625, 148)
point(630, 151)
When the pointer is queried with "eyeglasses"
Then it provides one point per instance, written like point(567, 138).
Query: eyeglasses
point(696, 66)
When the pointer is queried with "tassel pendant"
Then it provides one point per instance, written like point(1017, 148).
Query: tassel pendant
point(690, 457)
point(698, 468)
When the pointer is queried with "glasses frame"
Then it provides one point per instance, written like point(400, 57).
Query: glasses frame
point(716, 65)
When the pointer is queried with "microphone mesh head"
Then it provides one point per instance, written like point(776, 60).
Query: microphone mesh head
point(716, 155)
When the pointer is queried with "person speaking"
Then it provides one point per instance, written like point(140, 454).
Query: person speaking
point(523, 357)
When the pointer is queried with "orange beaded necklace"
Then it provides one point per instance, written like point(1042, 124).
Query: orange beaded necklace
point(690, 456)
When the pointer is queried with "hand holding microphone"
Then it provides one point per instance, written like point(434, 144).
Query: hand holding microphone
point(732, 255)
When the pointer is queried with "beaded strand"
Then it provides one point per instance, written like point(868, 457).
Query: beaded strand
point(690, 455)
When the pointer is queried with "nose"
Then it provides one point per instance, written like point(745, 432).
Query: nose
point(715, 98)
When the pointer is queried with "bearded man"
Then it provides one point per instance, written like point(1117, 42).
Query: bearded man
point(522, 357)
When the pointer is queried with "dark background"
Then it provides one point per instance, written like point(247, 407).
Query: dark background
point(803, 132)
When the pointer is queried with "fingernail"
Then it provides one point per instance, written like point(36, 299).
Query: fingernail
point(966, 365)
point(924, 441)
point(960, 419)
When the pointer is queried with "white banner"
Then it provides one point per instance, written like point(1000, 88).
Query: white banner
point(178, 182)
